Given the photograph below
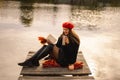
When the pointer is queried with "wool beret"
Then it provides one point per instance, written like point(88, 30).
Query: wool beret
point(68, 25)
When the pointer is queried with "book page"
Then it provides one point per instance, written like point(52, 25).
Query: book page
point(51, 38)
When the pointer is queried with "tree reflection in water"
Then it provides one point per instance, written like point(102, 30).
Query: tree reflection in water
point(26, 15)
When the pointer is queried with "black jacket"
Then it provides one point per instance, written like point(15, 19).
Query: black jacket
point(67, 53)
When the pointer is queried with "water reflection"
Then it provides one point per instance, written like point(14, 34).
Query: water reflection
point(97, 26)
point(85, 19)
point(52, 15)
point(27, 11)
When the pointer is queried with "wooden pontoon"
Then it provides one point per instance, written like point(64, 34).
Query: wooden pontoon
point(56, 73)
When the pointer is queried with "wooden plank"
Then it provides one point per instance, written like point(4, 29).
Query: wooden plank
point(55, 78)
point(39, 71)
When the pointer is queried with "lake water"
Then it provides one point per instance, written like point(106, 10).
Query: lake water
point(98, 27)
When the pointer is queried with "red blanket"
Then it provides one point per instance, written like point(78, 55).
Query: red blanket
point(53, 63)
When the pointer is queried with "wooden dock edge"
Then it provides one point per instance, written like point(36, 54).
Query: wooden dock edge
point(55, 78)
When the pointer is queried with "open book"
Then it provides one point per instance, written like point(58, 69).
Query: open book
point(51, 38)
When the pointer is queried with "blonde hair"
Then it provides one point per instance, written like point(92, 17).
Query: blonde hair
point(74, 36)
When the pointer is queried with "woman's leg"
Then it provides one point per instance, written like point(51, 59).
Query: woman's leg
point(55, 52)
point(31, 61)
point(37, 53)
point(34, 60)
point(48, 49)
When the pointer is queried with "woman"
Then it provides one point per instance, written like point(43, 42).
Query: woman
point(64, 51)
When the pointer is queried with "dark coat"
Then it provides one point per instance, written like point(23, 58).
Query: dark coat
point(67, 53)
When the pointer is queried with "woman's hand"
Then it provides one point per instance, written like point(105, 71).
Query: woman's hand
point(66, 40)
point(71, 67)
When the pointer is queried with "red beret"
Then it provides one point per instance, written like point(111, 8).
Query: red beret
point(67, 25)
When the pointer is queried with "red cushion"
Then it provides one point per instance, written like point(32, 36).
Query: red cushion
point(53, 63)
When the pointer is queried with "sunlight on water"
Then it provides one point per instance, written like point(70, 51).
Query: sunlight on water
point(21, 24)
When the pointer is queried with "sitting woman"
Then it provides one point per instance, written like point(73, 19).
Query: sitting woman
point(64, 51)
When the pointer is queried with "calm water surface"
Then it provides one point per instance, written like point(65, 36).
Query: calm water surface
point(98, 27)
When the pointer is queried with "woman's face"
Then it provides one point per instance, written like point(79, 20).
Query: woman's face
point(66, 31)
